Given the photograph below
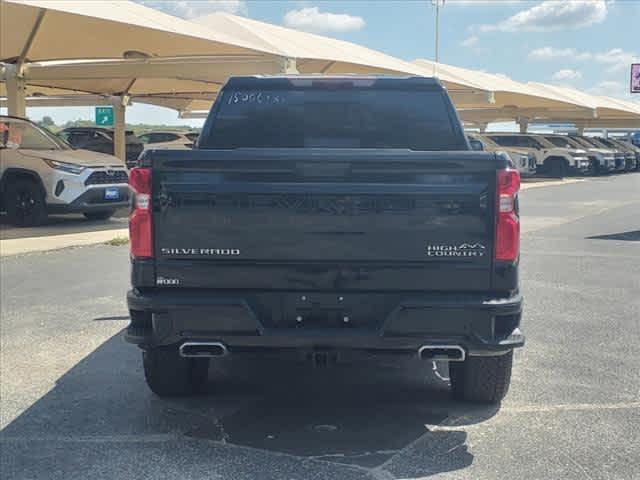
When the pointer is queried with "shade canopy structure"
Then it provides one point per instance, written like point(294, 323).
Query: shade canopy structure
point(46, 30)
point(324, 55)
point(523, 102)
point(39, 30)
point(606, 107)
point(123, 50)
point(608, 112)
point(512, 100)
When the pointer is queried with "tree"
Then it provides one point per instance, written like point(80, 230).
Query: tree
point(47, 121)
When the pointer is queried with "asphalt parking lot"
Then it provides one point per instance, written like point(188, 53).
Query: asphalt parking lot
point(74, 403)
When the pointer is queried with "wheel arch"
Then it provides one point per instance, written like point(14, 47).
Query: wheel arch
point(13, 174)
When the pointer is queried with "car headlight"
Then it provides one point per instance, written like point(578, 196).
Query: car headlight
point(64, 166)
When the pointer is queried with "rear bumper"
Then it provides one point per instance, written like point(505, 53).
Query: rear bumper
point(480, 324)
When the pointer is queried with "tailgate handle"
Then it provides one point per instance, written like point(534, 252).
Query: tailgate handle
point(323, 170)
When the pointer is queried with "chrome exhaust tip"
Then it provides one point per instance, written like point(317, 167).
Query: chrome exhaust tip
point(203, 349)
point(451, 353)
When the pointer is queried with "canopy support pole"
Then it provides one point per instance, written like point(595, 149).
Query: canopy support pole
point(483, 127)
point(119, 136)
point(524, 124)
point(16, 91)
point(289, 66)
point(580, 129)
point(32, 36)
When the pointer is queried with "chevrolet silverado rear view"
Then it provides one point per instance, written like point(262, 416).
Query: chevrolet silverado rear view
point(327, 218)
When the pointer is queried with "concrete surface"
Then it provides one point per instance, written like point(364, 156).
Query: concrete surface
point(74, 404)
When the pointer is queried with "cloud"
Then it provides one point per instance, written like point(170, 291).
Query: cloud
point(566, 74)
point(553, 15)
point(550, 53)
point(612, 89)
point(312, 19)
point(197, 8)
point(472, 41)
point(615, 60)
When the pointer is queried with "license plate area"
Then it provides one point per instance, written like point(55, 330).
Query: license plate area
point(329, 310)
point(111, 194)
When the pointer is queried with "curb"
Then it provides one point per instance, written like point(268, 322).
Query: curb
point(19, 246)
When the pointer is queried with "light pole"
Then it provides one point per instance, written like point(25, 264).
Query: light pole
point(437, 4)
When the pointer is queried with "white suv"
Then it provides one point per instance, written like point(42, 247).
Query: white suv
point(525, 162)
point(41, 174)
point(551, 160)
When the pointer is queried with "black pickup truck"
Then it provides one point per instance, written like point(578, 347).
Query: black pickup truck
point(330, 219)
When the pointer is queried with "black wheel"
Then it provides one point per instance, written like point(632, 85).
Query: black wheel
point(557, 168)
point(481, 379)
point(169, 375)
point(101, 215)
point(24, 203)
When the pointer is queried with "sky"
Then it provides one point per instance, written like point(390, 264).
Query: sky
point(586, 44)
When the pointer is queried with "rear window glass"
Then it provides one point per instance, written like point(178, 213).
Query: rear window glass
point(323, 118)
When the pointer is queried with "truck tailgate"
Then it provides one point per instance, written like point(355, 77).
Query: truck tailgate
point(300, 219)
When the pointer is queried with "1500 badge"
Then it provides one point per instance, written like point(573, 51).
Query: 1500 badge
point(201, 251)
point(462, 250)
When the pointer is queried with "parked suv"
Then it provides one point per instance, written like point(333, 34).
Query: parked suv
point(99, 139)
point(41, 174)
point(626, 150)
point(602, 160)
point(618, 155)
point(551, 160)
point(524, 161)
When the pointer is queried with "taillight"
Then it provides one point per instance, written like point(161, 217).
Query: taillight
point(140, 219)
point(507, 243)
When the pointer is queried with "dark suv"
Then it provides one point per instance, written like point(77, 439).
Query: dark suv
point(100, 139)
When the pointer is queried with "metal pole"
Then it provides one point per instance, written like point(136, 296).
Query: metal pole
point(436, 3)
point(437, 30)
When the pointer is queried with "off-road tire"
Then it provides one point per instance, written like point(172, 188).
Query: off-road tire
point(100, 215)
point(170, 375)
point(24, 203)
point(481, 379)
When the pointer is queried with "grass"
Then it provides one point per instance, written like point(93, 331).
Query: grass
point(117, 241)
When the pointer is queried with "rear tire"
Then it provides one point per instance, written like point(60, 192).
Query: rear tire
point(481, 379)
point(170, 375)
point(101, 215)
point(24, 203)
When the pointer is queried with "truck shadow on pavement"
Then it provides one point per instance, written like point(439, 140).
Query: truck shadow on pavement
point(632, 236)
point(365, 417)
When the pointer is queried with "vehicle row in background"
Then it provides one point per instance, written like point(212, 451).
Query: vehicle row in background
point(558, 155)
point(99, 139)
point(41, 174)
